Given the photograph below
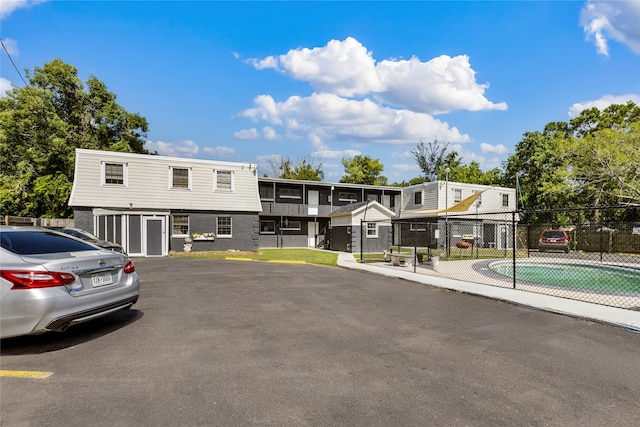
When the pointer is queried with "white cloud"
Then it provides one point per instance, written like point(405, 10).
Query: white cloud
point(247, 134)
point(181, 149)
point(219, 151)
point(347, 69)
point(270, 133)
point(616, 20)
point(328, 116)
point(9, 6)
point(602, 103)
point(335, 154)
point(5, 85)
point(360, 101)
point(267, 163)
point(403, 155)
point(11, 46)
point(488, 148)
point(438, 86)
point(342, 67)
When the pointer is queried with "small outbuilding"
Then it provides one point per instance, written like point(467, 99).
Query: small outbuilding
point(365, 225)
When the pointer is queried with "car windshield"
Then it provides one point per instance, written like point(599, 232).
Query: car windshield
point(79, 233)
point(40, 242)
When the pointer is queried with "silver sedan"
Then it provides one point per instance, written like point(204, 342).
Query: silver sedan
point(50, 281)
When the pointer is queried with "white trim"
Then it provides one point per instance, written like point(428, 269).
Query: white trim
point(224, 236)
point(371, 236)
point(180, 236)
point(103, 174)
point(215, 181)
point(189, 179)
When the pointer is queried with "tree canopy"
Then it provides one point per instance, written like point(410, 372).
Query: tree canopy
point(42, 124)
point(363, 170)
point(306, 169)
point(433, 160)
point(591, 161)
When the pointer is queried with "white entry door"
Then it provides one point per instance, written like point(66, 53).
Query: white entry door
point(312, 228)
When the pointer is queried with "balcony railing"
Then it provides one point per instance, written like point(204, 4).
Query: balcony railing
point(294, 209)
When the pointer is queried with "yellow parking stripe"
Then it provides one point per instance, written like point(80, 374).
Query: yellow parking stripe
point(237, 259)
point(26, 374)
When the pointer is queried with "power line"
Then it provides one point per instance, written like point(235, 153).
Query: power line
point(13, 63)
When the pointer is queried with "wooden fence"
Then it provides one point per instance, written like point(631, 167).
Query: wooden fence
point(37, 222)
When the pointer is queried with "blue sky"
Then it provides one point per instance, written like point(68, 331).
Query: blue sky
point(251, 81)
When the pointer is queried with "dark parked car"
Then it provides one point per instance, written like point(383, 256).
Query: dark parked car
point(554, 240)
point(50, 281)
point(88, 237)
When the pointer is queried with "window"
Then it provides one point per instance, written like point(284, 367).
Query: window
point(180, 226)
point(180, 178)
point(505, 200)
point(372, 197)
point(457, 195)
point(417, 226)
point(223, 181)
point(266, 192)
point(346, 196)
point(417, 198)
point(478, 200)
point(224, 226)
point(267, 227)
point(372, 229)
point(291, 225)
point(114, 173)
point(290, 193)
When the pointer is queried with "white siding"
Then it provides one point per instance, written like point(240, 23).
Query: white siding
point(148, 184)
point(373, 214)
point(435, 197)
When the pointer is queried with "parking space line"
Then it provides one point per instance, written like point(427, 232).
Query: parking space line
point(26, 374)
point(237, 259)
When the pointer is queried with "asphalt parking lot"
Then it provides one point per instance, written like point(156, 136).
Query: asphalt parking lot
point(222, 343)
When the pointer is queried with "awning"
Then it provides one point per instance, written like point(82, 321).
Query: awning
point(461, 206)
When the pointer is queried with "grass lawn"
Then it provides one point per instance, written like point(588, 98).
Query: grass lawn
point(309, 256)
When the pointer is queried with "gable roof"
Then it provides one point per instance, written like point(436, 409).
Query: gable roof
point(355, 208)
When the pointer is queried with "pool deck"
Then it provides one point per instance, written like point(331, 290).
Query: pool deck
point(462, 277)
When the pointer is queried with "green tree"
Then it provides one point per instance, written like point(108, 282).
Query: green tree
point(363, 170)
point(431, 159)
point(42, 124)
point(606, 166)
point(591, 161)
point(306, 169)
point(472, 174)
point(542, 174)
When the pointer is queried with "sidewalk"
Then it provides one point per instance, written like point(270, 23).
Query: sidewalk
point(628, 319)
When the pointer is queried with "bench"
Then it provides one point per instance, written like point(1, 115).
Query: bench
point(397, 257)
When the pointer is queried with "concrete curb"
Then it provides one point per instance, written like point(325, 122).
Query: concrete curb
point(619, 317)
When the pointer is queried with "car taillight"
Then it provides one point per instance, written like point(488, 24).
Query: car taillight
point(129, 267)
point(37, 279)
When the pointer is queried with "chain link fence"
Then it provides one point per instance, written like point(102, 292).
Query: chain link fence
point(583, 259)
